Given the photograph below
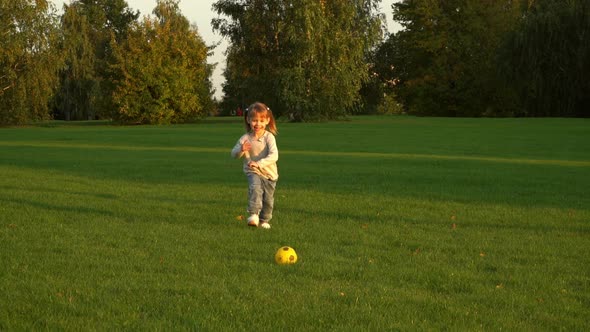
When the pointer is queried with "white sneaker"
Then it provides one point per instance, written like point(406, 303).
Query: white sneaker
point(265, 225)
point(253, 220)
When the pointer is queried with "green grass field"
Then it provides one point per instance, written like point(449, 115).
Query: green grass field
point(400, 223)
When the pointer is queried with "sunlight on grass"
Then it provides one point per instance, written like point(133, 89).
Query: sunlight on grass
point(140, 229)
point(373, 155)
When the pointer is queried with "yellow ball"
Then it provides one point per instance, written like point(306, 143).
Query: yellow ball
point(286, 255)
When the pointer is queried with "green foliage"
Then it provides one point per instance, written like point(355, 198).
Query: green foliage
point(76, 99)
point(502, 58)
point(304, 58)
point(445, 57)
point(390, 105)
point(160, 74)
point(400, 224)
point(547, 59)
point(381, 80)
point(28, 60)
point(87, 27)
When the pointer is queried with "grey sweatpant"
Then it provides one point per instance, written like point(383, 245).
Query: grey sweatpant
point(261, 192)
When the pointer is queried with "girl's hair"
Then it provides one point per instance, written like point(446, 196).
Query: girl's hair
point(263, 110)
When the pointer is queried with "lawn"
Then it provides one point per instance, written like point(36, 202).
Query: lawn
point(400, 223)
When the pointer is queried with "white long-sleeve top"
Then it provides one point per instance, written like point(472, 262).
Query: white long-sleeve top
point(264, 152)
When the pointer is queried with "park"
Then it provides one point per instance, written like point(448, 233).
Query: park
point(399, 222)
point(432, 178)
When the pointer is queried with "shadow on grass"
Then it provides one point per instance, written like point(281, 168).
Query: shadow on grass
point(54, 207)
point(436, 179)
point(37, 190)
point(61, 123)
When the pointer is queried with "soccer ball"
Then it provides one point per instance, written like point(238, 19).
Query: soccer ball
point(286, 255)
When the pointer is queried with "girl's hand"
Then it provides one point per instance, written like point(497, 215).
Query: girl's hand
point(253, 164)
point(246, 146)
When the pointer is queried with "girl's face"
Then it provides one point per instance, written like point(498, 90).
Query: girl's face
point(258, 123)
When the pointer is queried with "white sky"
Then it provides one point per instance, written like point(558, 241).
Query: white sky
point(200, 13)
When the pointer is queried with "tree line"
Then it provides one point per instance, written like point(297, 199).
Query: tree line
point(310, 59)
point(98, 60)
point(489, 58)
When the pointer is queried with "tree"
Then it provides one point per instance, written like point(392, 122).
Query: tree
point(28, 61)
point(547, 59)
point(304, 58)
point(76, 97)
point(378, 94)
point(445, 57)
point(88, 26)
point(160, 70)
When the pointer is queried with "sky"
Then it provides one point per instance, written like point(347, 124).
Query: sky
point(199, 12)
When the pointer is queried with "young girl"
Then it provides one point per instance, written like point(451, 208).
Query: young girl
point(258, 147)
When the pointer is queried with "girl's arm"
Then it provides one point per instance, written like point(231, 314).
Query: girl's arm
point(273, 152)
point(237, 152)
point(241, 148)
